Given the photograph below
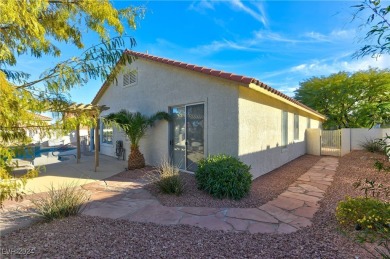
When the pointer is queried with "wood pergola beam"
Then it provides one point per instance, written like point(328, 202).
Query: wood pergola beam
point(92, 110)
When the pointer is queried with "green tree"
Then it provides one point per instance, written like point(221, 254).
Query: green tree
point(135, 126)
point(37, 28)
point(356, 100)
point(378, 37)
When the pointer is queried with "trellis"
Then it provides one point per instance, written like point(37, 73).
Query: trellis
point(91, 110)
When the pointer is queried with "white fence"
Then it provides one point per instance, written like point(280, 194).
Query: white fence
point(321, 142)
point(331, 142)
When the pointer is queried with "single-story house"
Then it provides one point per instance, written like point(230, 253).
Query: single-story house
point(213, 112)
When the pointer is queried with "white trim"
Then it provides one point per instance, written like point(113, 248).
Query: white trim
point(205, 130)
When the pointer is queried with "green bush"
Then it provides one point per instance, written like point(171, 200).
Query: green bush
point(364, 213)
point(374, 146)
point(169, 180)
point(66, 201)
point(224, 176)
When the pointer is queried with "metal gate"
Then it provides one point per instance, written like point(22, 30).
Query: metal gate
point(331, 142)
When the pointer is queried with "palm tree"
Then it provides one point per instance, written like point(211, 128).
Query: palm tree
point(135, 126)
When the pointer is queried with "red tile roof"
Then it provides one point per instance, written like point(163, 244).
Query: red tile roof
point(42, 117)
point(217, 73)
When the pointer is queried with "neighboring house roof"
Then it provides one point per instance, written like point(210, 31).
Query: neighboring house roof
point(243, 80)
point(42, 117)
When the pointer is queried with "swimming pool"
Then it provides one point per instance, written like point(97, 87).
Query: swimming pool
point(37, 151)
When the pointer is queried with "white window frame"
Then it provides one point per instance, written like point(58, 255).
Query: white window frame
point(284, 129)
point(296, 126)
point(109, 129)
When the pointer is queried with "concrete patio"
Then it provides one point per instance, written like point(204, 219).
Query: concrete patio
point(56, 173)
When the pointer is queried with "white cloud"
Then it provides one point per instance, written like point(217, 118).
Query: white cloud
point(287, 80)
point(202, 6)
point(259, 15)
point(335, 35)
point(324, 67)
point(216, 46)
point(265, 35)
point(316, 36)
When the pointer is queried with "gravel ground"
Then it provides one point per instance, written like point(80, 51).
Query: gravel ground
point(91, 237)
point(264, 188)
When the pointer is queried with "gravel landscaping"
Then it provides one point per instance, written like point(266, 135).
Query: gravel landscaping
point(92, 237)
point(264, 188)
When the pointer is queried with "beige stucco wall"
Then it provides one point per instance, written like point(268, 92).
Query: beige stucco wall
point(162, 86)
point(260, 120)
point(313, 142)
point(345, 141)
point(359, 136)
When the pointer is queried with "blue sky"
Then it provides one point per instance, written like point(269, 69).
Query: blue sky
point(281, 43)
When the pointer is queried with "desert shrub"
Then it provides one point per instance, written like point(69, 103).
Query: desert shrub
point(224, 176)
point(364, 214)
point(66, 201)
point(169, 180)
point(374, 146)
point(372, 188)
point(382, 166)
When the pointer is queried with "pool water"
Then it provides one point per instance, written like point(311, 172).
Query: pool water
point(31, 153)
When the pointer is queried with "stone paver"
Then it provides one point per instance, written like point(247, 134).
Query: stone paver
point(251, 214)
point(209, 222)
point(281, 214)
point(121, 198)
point(285, 229)
point(261, 227)
point(156, 213)
point(200, 211)
point(238, 224)
point(286, 203)
point(300, 196)
point(307, 212)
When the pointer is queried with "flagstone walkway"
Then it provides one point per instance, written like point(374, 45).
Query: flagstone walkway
point(290, 211)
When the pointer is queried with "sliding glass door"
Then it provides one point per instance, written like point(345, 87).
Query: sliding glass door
point(187, 136)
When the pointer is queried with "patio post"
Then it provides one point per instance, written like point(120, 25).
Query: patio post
point(78, 142)
point(96, 140)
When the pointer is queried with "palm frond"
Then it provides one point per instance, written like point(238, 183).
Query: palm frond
point(134, 124)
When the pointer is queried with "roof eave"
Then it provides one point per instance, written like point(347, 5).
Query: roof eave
point(280, 98)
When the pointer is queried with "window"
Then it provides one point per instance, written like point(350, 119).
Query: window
point(106, 134)
point(308, 123)
point(284, 128)
point(296, 126)
point(130, 79)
